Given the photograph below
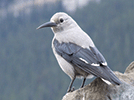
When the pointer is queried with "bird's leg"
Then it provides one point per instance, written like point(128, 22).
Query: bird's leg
point(83, 82)
point(70, 86)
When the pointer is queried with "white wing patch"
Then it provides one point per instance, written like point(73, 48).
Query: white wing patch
point(84, 60)
point(93, 64)
point(106, 81)
point(105, 63)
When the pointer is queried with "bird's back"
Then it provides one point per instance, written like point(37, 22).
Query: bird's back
point(75, 35)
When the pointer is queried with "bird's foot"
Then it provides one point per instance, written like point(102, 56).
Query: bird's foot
point(71, 90)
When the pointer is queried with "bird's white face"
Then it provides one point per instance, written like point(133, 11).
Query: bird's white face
point(60, 22)
point(63, 21)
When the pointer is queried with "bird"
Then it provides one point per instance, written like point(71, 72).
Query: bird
point(76, 53)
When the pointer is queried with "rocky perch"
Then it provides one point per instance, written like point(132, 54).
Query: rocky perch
point(99, 90)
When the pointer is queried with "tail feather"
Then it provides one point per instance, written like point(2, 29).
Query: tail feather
point(111, 77)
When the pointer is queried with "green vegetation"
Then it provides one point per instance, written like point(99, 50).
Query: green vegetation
point(28, 68)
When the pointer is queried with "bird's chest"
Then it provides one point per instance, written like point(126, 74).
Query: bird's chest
point(75, 37)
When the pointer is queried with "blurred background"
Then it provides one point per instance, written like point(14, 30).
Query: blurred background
point(28, 68)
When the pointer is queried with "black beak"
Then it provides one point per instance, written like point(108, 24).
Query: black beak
point(47, 24)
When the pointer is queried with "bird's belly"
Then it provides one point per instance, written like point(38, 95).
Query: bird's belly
point(80, 73)
point(65, 66)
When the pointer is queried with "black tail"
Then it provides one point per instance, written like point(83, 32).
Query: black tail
point(111, 76)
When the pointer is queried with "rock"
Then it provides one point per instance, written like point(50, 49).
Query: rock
point(99, 90)
point(130, 68)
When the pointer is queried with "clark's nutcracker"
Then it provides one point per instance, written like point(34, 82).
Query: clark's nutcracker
point(76, 52)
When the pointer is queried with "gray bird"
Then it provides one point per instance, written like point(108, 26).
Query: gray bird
point(75, 51)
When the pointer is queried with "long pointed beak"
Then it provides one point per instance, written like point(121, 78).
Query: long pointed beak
point(47, 24)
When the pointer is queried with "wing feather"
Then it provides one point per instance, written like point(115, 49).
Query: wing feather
point(74, 55)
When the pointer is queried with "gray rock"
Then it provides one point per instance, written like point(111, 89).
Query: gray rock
point(99, 90)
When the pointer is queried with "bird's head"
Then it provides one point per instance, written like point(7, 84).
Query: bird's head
point(59, 22)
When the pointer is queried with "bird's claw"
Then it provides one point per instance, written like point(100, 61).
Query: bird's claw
point(71, 90)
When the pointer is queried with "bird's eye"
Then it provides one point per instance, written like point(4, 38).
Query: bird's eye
point(61, 20)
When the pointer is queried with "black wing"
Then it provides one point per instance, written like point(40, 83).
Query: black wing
point(89, 60)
